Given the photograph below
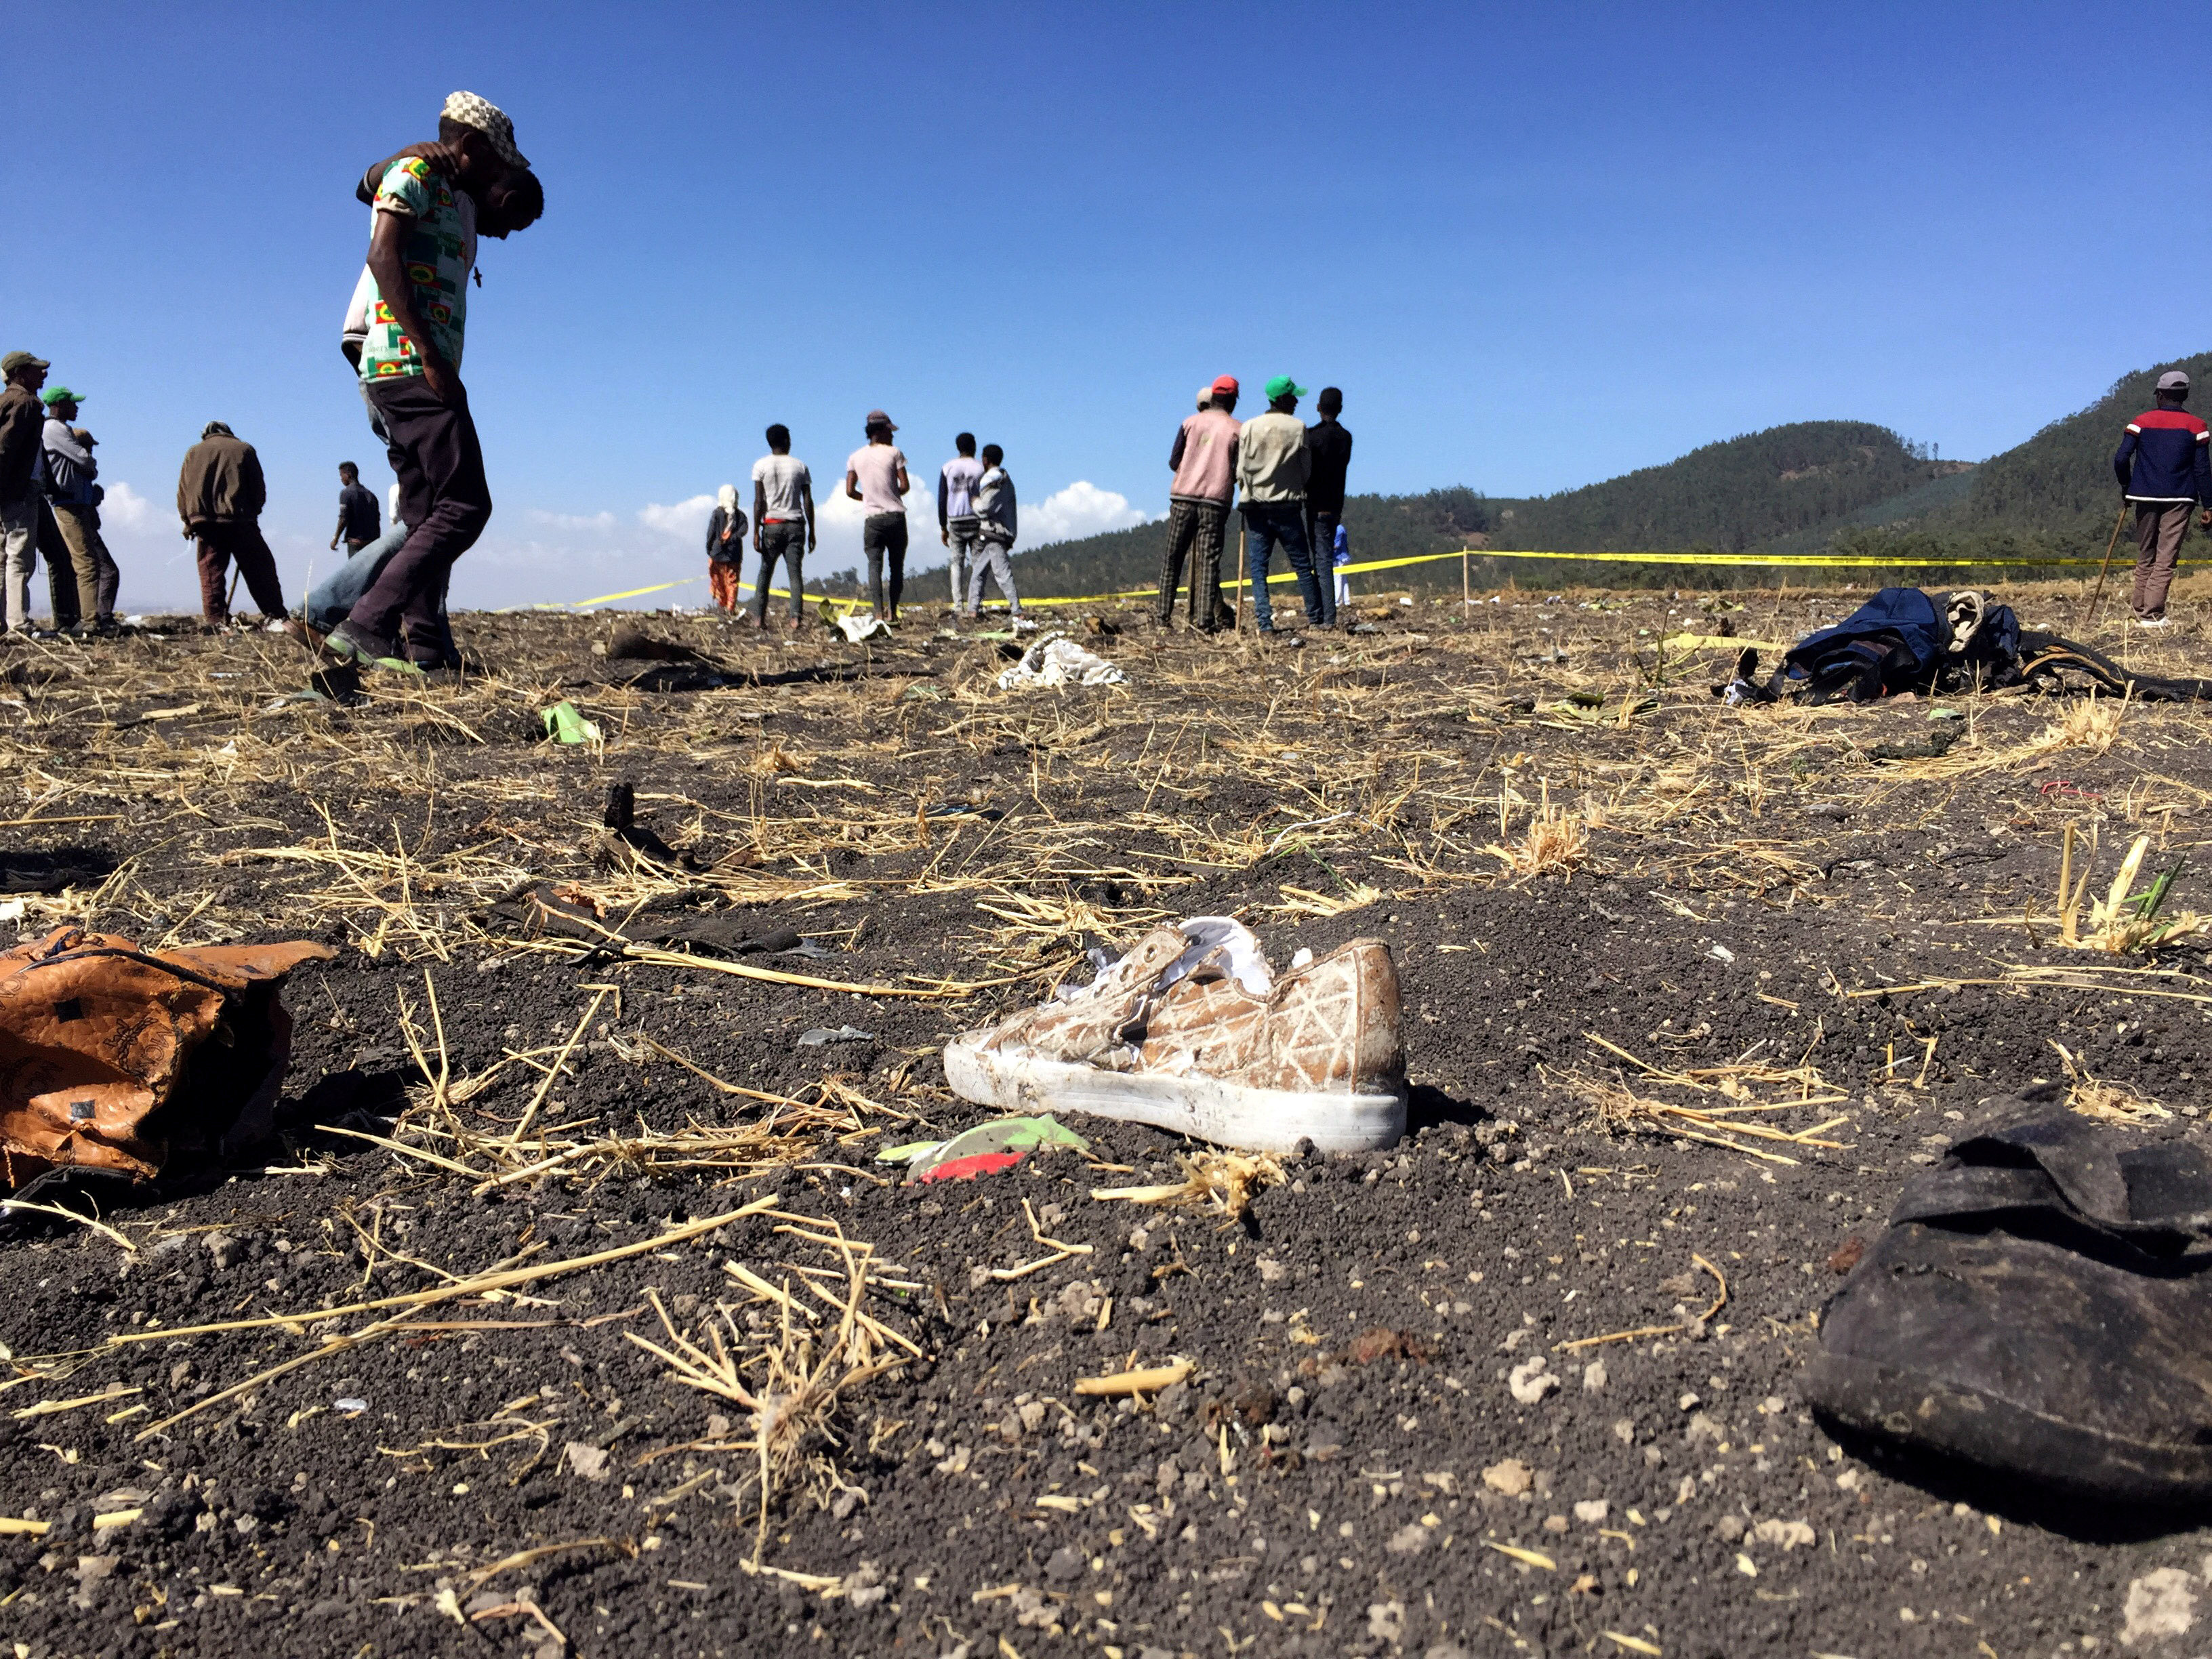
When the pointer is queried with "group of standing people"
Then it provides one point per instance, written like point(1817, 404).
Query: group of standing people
point(977, 521)
point(49, 499)
point(1291, 480)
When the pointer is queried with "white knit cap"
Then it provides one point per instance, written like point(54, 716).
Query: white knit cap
point(488, 118)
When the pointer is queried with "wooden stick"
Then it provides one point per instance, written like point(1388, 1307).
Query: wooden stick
point(2099, 595)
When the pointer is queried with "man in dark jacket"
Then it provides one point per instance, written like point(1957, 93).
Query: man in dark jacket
point(220, 495)
point(2164, 467)
point(1328, 450)
point(22, 420)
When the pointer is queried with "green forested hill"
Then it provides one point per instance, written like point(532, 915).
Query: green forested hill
point(1730, 497)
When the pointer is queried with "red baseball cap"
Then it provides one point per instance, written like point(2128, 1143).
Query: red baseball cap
point(1225, 387)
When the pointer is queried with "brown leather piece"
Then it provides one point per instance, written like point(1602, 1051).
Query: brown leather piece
point(104, 1057)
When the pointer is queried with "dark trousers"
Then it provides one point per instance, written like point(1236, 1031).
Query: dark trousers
point(446, 502)
point(92, 565)
point(61, 572)
point(219, 543)
point(1196, 529)
point(1267, 524)
point(1321, 542)
point(883, 539)
point(785, 539)
point(2160, 528)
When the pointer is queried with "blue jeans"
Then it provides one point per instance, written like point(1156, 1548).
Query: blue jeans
point(1265, 525)
point(338, 592)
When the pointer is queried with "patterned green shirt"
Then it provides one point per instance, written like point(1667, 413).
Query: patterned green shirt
point(437, 253)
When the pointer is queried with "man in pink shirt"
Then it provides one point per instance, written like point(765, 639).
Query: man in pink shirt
point(875, 477)
point(1204, 462)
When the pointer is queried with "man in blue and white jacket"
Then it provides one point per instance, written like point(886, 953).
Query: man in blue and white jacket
point(2164, 467)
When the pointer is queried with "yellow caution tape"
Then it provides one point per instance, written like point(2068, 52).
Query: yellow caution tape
point(1776, 562)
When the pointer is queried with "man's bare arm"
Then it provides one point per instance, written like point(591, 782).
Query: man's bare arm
point(760, 511)
point(806, 505)
point(386, 264)
point(852, 484)
point(903, 482)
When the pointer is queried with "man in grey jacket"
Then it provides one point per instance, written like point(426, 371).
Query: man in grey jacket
point(1271, 477)
point(76, 497)
point(996, 522)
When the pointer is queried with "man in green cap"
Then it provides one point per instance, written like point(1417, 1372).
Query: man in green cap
point(1271, 477)
point(76, 497)
point(22, 417)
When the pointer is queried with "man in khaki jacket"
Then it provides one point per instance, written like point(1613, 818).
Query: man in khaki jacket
point(220, 495)
point(1271, 477)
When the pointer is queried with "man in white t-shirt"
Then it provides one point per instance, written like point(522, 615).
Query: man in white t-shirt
point(957, 527)
point(875, 477)
point(783, 520)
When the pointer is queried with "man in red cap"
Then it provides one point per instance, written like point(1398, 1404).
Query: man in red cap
point(1204, 462)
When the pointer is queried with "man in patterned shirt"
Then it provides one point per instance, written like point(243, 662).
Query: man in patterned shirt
point(422, 246)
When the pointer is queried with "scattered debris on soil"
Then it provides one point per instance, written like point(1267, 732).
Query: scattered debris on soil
point(567, 1303)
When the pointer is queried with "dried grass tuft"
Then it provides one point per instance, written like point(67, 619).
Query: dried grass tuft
point(1223, 1182)
point(2106, 1100)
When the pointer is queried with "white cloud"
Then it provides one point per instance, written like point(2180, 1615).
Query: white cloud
point(127, 509)
point(598, 521)
point(1081, 509)
point(686, 518)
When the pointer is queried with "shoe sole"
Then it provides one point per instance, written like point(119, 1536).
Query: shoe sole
point(1207, 1109)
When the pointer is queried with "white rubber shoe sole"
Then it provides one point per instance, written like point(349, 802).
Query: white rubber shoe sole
point(1227, 1114)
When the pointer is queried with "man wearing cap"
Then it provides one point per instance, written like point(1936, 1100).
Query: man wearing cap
point(2164, 467)
point(76, 497)
point(1271, 472)
point(1328, 458)
point(875, 477)
point(22, 418)
point(422, 247)
point(1204, 462)
point(220, 495)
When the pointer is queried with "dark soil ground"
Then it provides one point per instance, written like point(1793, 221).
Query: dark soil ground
point(1362, 1459)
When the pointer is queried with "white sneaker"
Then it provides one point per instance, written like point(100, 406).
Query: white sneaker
point(2150, 622)
point(1190, 1032)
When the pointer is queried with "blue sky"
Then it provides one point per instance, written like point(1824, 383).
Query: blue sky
point(1535, 245)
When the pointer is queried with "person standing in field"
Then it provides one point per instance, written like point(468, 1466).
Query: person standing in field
point(997, 524)
point(1328, 458)
point(875, 477)
point(422, 249)
point(73, 492)
point(2164, 467)
point(1204, 462)
point(220, 495)
point(783, 521)
point(359, 522)
point(725, 548)
point(1271, 475)
point(23, 421)
point(956, 511)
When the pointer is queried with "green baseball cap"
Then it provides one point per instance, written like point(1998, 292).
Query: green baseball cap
point(59, 394)
point(1284, 387)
